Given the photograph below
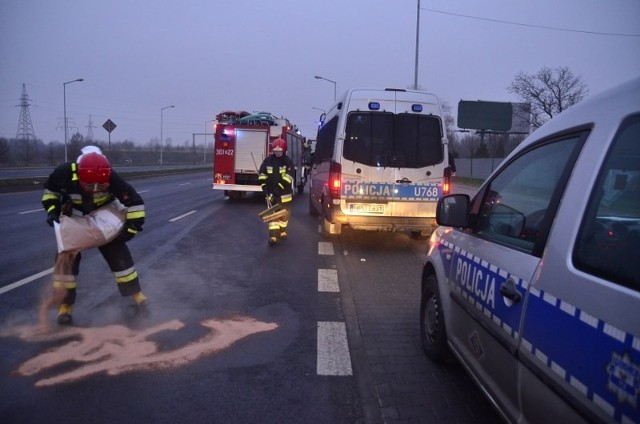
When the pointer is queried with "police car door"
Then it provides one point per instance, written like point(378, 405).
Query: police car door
point(494, 261)
point(581, 334)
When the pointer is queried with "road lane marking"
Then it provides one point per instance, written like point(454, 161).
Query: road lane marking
point(25, 281)
point(182, 216)
point(333, 349)
point(325, 248)
point(328, 281)
point(31, 211)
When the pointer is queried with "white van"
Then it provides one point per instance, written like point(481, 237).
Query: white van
point(534, 284)
point(381, 162)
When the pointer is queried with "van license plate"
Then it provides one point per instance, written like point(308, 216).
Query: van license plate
point(370, 208)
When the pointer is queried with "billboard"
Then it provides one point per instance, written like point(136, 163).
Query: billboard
point(483, 115)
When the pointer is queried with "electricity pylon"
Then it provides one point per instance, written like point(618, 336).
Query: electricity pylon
point(25, 132)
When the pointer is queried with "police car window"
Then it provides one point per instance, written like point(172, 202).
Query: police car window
point(608, 244)
point(418, 141)
point(369, 138)
point(518, 198)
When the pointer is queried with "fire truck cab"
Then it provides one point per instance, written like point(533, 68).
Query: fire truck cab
point(242, 141)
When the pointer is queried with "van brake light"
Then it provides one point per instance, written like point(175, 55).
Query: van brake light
point(446, 182)
point(335, 180)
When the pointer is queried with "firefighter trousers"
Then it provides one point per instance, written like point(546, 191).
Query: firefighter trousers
point(277, 227)
point(117, 255)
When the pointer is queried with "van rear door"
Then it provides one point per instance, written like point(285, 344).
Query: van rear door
point(367, 179)
point(418, 163)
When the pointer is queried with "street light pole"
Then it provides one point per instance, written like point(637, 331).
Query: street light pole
point(415, 78)
point(64, 94)
point(204, 158)
point(335, 85)
point(161, 123)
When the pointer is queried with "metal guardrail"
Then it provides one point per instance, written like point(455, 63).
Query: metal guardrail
point(32, 179)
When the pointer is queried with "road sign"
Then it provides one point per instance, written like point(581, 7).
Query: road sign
point(109, 125)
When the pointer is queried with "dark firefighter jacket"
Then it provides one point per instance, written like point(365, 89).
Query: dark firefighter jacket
point(63, 194)
point(276, 177)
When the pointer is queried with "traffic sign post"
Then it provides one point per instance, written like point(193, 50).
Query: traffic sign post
point(109, 125)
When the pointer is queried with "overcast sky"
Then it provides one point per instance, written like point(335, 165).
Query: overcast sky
point(206, 56)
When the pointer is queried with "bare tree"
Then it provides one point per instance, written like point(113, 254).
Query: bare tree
point(549, 91)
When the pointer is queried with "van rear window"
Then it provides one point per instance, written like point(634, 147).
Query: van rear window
point(384, 139)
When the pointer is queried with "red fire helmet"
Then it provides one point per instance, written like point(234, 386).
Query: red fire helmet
point(94, 168)
point(279, 145)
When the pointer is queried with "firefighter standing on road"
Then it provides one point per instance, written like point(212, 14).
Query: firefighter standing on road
point(79, 188)
point(276, 181)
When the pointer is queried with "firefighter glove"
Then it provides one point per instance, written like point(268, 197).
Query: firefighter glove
point(51, 217)
point(269, 198)
point(130, 230)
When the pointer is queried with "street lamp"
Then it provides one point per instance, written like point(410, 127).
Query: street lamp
point(335, 85)
point(161, 119)
point(204, 158)
point(415, 76)
point(64, 94)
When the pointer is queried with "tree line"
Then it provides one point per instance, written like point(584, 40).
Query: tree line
point(548, 92)
point(15, 152)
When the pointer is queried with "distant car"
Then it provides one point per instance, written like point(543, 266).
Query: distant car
point(534, 284)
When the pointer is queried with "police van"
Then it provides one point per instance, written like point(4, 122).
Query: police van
point(380, 162)
point(534, 284)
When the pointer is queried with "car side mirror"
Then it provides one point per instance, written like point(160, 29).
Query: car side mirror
point(453, 210)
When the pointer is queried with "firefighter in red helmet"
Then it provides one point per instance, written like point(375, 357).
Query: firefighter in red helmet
point(276, 179)
point(79, 188)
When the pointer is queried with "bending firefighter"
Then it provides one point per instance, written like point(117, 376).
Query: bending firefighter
point(77, 189)
point(276, 180)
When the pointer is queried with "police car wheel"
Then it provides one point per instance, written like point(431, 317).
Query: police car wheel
point(432, 329)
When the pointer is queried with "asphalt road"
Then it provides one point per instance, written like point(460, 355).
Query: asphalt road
point(313, 330)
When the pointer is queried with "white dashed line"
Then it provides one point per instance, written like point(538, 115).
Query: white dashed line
point(328, 280)
point(25, 281)
point(182, 216)
point(333, 349)
point(325, 248)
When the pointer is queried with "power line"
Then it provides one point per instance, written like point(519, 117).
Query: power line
point(530, 25)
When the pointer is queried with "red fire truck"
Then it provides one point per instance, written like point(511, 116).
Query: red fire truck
point(242, 141)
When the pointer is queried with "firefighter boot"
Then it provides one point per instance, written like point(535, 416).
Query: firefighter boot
point(283, 235)
point(272, 241)
point(142, 303)
point(64, 314)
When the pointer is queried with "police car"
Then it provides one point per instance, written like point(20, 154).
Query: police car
point(534, 284)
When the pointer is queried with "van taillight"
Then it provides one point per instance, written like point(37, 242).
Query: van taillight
point(335, 180)
point(446, 182)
